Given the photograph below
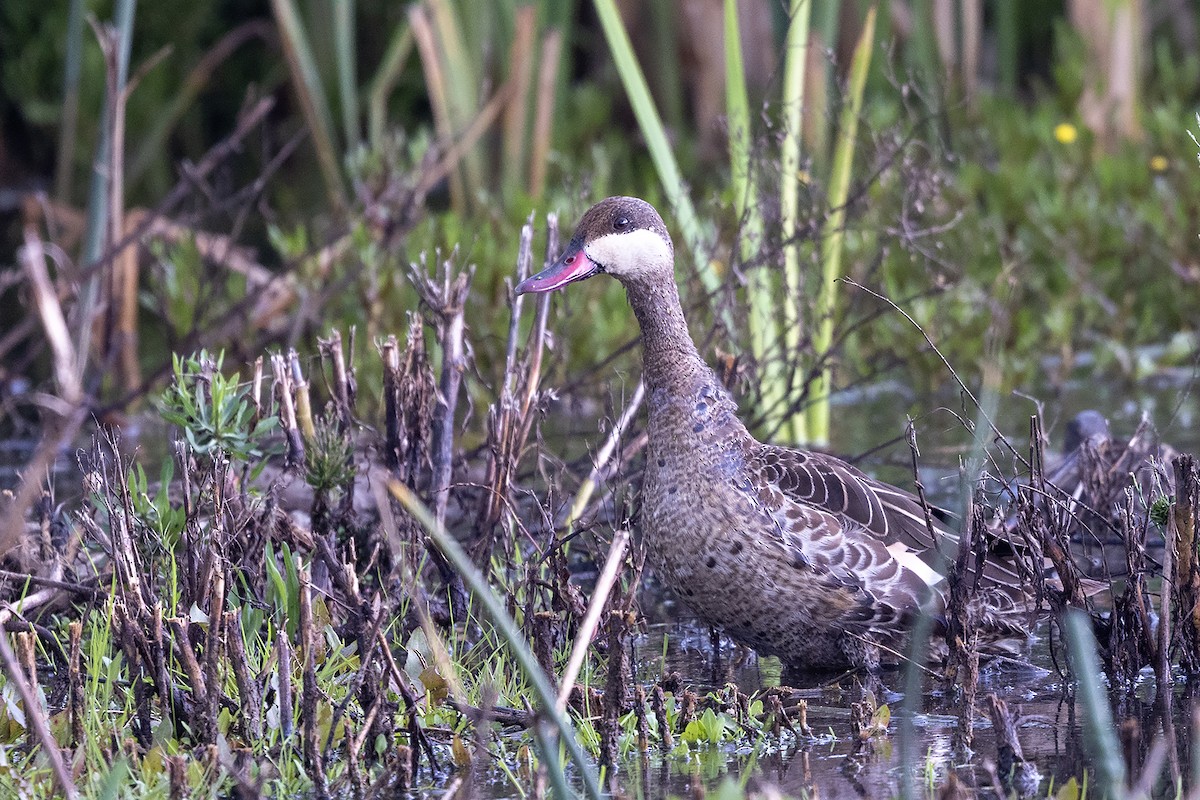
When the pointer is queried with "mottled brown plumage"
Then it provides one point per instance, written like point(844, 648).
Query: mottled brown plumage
point(793, 553)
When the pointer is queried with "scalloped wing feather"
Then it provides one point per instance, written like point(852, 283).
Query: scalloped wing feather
point(862, 532)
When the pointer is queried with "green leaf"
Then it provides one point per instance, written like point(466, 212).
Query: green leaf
point(1069, 791)
point(881, 718)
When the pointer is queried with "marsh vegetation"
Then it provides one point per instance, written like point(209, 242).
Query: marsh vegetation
point(299, 498)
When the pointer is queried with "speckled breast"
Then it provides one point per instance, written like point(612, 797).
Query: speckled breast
point(717, 548)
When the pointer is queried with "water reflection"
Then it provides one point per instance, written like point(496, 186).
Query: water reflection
point(831, 764)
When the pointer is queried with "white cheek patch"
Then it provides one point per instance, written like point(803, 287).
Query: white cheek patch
point(640, 252)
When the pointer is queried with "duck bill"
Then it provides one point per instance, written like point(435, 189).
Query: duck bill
point(573, 265)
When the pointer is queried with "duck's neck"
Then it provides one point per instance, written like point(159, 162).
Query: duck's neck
point(670, 360)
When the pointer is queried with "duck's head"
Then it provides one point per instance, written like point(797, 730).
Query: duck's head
point(621, 236)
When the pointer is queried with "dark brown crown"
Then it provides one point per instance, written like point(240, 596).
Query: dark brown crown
point(620, 215)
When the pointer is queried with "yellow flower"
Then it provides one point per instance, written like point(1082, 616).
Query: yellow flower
point(1159, 163)
point(1066, 133)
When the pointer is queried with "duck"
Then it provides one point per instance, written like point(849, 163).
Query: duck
point(792, 553)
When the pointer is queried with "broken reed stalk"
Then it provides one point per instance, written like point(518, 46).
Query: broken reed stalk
point(99, 195)
point(503, 420)
point(583, 639)
point(187, 659)
point(249, 691)
point(588, 487)
point(962, 637)
point(1186, 585)
point(446, 295)
point(36, 717)
point(1046, 529)
point(1016, 774)
point(214, 649)
point(256, 390)
point(549, 715)
point(1131, 644)
point(616, 688)
point(389, 353)
point(287, 411)
point(345, 389)
point(536, 344)
point(283, 667)
point(310, 693)
point(1167, 593)
point(54, 322)
point(304, 413)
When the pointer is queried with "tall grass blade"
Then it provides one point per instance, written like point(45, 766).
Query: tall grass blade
point(656, 137)
point(438, 91)
point(516, 115)
point(311, 93)
point(664, 27)
point(924, 50)
point(1098, 730)
point(1008, 44)
point(73, 62)
point(972, 46)
point(834, 229)
point(561, 15)
point(761, 281)
point(794, 66)
point(737, 109)
point(386, 78)
point(551, 753)
point(99, 192)
point(818, 122)
point(914, 668)
point(946, 36)
point(507, 628)
point(343, 32)
point(543, 119)
point(462, 78)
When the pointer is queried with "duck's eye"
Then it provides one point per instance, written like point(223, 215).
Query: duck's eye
point(620, 223)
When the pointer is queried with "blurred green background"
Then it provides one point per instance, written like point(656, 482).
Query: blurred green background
point(1021, 178)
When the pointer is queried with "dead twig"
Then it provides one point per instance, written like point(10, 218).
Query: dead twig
point(583, 639)
point(36, 717)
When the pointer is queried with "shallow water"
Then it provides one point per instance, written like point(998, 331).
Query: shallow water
point(869, 419)
point(920, 740)
point(828, 766)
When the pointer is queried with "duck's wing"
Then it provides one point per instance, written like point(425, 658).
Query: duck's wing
point(835, 520)
point(839, 516)
point(824, 482)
